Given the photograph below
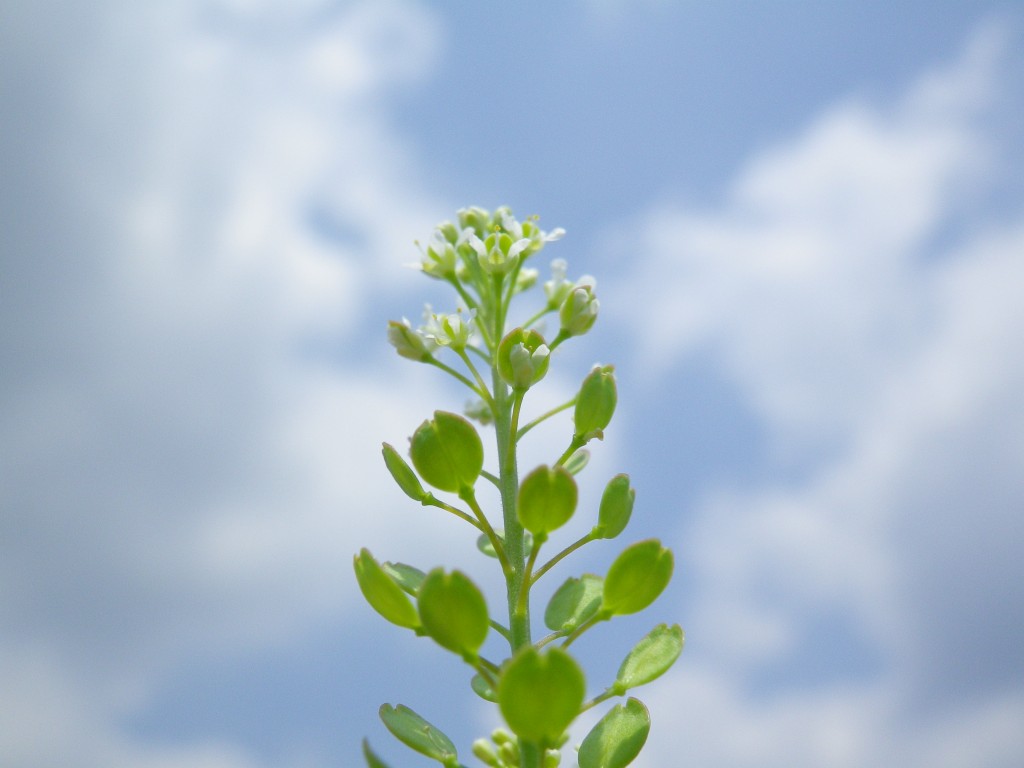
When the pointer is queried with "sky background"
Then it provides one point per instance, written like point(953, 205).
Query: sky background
point(806, 221)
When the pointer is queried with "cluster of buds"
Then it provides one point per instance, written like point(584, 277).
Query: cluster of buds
point(540, 688)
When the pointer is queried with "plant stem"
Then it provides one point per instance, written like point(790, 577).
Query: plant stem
point(530, 753)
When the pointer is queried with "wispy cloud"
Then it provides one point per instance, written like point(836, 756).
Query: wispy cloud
point(210, 191)
point(877, 345)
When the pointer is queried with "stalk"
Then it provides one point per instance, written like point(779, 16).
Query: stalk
point(530, 753)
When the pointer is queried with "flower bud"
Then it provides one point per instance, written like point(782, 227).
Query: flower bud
point(476, 219)
point(448, 232)
point(526, 279)
point(407, 342)
point(595, 403)
point(447, 452)
point(546, 501)
point(484, 752)
point(440, 259)
point(579, 310)
point(522, 358)
point(636, 578)
point(557, 289)
point(616, 508)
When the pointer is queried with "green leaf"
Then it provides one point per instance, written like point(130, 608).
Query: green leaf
point(483, 689)
point(408, 577)
point(403, 474)
point(617, 738)
point(371, 758)
point(547, 499)
point(616, 508)
point(650, 658)
point(636, 578)
point(447, 452)
point(383, 593)
point(573, 603)
point(540, 694)
point(416, 733)
point(453, 612)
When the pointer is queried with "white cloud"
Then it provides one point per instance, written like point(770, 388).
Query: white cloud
point(179, 470)
point(879, 347)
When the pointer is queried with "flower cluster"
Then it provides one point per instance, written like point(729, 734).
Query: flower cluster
point(540, 688)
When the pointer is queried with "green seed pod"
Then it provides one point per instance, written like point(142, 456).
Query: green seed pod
point(617, 738)
point(547, 499)
point(540, 694)
point(447, 452)
point(416, 733)
point(383, 593)
point(574, 602)
point(523, 358)
point(652, 657)
point(372, 760)
point(403, 474)
point(616, 508)
point(595, 403)
point(453, 612)
point(636, 578)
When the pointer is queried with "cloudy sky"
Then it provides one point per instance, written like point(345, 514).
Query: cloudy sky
point(806, 221)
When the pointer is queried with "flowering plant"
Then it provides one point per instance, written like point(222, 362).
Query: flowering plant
point(539, 687)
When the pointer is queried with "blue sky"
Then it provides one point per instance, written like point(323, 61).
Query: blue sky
point(806, 221)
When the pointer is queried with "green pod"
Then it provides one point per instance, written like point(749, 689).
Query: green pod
point(523, 358)
point(419, 735)
point(372, 760)
point(574, 602)
point(453, 612)
point(595, 403)
point(616, 508)
point(408, 577)
point(403, 474)
point(652, 657)
point(447, 452)
point(636, 578)
point(540, 693)
point(617, 738)
point(383, 593)
point(547, 500)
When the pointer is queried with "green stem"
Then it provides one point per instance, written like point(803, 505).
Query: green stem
point(543, 417)
point(476, 375)
point(610, 693)
point(431, 501)
point(468, 496)
point(537, 317)
point(574, 445)
point(565, 552)
point(538, 540)
point(449, 370)
point(593, 620)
